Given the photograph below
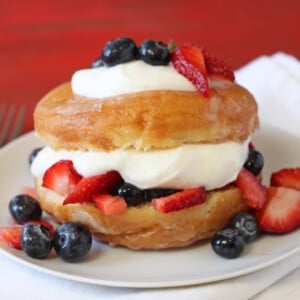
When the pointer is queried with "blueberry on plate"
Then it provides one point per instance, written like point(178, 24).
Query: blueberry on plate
point(254, 162)
point(154, 53)
point(24, 208)
point(36, 240)
point(72, 241)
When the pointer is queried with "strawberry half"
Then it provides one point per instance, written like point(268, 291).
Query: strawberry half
point(89, 187)
point(253, 190)
point(289, 178)
point(110, 205)
point(180, 200)
point(61, 177)
point(282, 211)
point(189, 62)
point(11, 236)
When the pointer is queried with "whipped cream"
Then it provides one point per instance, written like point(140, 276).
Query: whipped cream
point(135, 76)
point(187, 166)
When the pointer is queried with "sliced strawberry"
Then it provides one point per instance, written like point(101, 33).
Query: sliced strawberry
point(89, 187)
point(61, 177)
point(11, 236)
point(216, 67)
point(110, 205)
point(180, 200)
point(253, 190)
point(282, 211)
point(289, 178)
point(189, 61)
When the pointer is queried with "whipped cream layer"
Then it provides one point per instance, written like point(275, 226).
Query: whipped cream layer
point(131, 77)
point(187, 166)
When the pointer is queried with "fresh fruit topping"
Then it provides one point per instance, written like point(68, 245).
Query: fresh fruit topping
point(281, 212)
point(150, 194)
point(11, 236)
point(254, 162)
point(72, 241)
point(246, 224)
point(119, 51)
point(45, 224)
point(88, 187)
point(110, 205)
point(24, 208)
point(97, 63)
point(61, 177)
point(180, 200)
point(289, 177)
point(228, 243)
point(33, 154)
point(131, 194)
point(216, 67)
point(36, 240)
point(189, 62)
point(253, 190)
point(154, 53)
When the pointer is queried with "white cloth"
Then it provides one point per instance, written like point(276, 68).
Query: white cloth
point(275, 82)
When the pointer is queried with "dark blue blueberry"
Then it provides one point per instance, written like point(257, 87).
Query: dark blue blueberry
point(228, 243)
point(24, 208)
point(72, 241)
point(254, 162)
point(150, 194)
point(119, 51)
point(154, 53)
point(97, 63)
point(246, 224)
point(33, 154)
point(131, 194)
point(36, 240)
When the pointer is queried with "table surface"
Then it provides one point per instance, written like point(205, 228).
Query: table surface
point(43, 42)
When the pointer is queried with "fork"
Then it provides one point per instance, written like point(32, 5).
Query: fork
point(12, 118)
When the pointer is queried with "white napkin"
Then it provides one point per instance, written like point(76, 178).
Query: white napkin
point(275, 82)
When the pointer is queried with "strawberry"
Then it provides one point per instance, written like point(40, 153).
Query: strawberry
point(289, 178)
point(216, 67)
point(11, 236)
point(189, 62)
point(180, 200)
point(94, 185)
point(282, 211)
point(110, 205)
point(253, 190)
point(61, 177)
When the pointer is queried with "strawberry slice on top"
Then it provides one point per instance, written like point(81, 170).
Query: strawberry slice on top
point(287, 177)
point(110, 205)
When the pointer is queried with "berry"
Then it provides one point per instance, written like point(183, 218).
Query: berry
point(72, 241)
point(24, 208)
point(281, 212)
point(189, 62)
point(110, 205)
point(89, 187)
point(289, 178)
point(228, 243)
point(11, 236)
point(180, 200)
point(150, 194)
point(154, 53)
point(119, 51)
point(246, 224)
point(131, 194)
point(36, 240)
point(253, 190)
point(33, 154)
point(61, 177)
point(254, 162)
point(97, 63)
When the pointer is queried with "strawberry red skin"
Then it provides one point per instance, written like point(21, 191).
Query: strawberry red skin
point(253, 190)
point(89, 187)
point(281, 214)
point(11, 236)
point(180, 200)
point(61, 177)
point(110, 205)
point(288, 177)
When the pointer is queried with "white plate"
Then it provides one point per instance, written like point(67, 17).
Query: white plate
point(168, 268)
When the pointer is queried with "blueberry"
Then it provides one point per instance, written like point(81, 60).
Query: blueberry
point(33, 154)
point(97, 63)
point(228, 243)
point(24, 208)
point(36, 240)
point(72, 241)
point(246, 224)
point(254, 162)
point(154, 53)
point(150, 194)
point(119, 51)
point(131, 194)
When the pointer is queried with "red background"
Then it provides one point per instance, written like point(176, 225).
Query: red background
point(43, 42)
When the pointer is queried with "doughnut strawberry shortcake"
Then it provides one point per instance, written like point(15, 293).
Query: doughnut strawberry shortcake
point(150, 147)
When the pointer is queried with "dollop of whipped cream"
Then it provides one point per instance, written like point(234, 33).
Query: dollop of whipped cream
point(187, 166)
point(131, 77)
